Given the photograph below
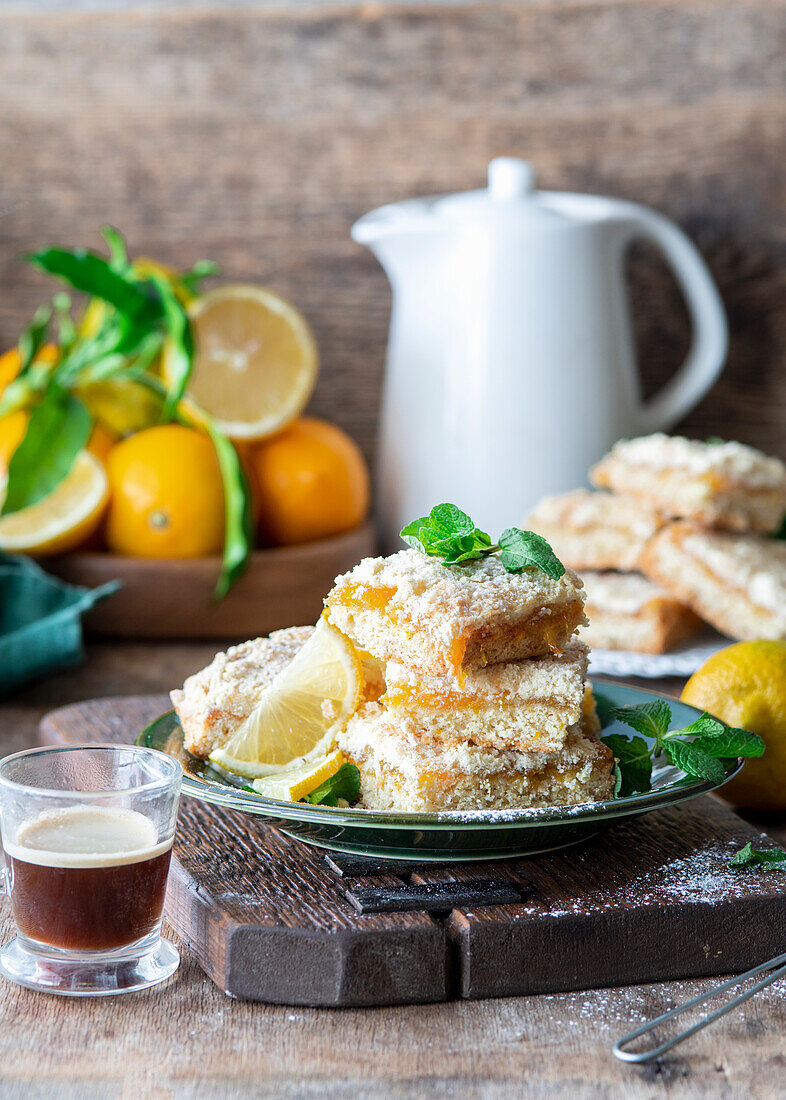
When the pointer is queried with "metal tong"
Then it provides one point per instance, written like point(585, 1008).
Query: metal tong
point(777, 968)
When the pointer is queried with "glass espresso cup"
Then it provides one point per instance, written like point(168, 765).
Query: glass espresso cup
point(87, 832)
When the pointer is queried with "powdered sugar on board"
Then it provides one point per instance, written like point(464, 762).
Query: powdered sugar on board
point(701, 877)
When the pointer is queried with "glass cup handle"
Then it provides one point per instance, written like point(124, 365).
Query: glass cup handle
point(5, 886)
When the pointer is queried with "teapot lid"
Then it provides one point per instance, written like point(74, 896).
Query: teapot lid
point(510, 191)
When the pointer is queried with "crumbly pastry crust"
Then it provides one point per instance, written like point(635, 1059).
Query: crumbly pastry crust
point(595, 530)
point(399, 771)
point(735, 582)
point(441, 620)
point(630, 612)
point(522, 705)
point(726, 485)
point(216, 700)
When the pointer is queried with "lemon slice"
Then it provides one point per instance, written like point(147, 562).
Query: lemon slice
point(256, 360)
point(295, 720)
point(64, 518)
point(292, 784)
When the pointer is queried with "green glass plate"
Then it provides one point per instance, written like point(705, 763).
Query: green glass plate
point(477, 834)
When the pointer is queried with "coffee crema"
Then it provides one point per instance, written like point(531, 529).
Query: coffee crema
point(88, 878)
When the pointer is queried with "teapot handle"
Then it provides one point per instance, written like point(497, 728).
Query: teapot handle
point(710, 338)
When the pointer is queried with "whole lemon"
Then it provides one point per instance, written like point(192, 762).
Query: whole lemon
point(167, 499)
point(311, 482)
point(745, 685)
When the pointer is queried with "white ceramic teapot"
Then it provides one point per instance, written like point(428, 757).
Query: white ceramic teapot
point(511, 366)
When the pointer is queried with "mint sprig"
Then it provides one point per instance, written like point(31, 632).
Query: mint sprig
point(703, 749)
point(767, 859)
point(343, 784)
point(448, 533)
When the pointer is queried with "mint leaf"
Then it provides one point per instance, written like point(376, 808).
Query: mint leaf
point(633, 768)
point(705, 725)
point(651, 719)
point(57, 430)
point(449, 522)
point(732, 742)
point(717, 739)
point(702, 750)
point(344, 784)
point(450, 534)
point(692, 760)
point(526, 550)
point(447, 533)
point(768, 859)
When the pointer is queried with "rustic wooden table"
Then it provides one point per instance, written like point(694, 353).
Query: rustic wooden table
point(188, 1039)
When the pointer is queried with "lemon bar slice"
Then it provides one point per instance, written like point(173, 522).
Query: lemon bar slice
point(735, 582)
point(400, 771)
point(443, 620)
point(629, 611)
point(726, 485)
point(593, 530)
point(523, 705)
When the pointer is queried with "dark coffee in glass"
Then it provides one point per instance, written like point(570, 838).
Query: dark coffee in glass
point(88, 878)
point(87, 832)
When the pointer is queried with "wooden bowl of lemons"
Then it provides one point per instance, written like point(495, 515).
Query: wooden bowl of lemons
point(156, 438)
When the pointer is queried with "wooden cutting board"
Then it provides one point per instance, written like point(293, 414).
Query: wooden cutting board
point(273, 919)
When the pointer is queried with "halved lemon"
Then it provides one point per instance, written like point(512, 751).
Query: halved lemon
point(296, 718)
point(256, 360)
point(296, 782)
point(63, 519)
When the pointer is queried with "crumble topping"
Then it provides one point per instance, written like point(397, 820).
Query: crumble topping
point(452, 599)
point(735, 461)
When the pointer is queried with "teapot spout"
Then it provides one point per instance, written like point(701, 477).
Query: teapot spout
point(396, 234)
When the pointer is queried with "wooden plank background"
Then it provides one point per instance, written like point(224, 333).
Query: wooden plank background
point(256, 136)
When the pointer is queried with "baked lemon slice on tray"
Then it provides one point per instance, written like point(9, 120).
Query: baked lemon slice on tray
point(295, 720)
point(256, 360)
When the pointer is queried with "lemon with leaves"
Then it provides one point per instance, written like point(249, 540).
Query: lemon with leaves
point(745, 685)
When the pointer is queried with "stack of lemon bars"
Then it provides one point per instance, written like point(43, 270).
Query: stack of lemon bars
point(476, 686)
point(677, 532)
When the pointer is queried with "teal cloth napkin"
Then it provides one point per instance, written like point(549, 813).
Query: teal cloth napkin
point(40, 621)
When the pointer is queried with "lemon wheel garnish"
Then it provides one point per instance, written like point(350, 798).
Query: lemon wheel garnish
point(65, 517)
point(296, 718)
point(256, 360)
point(292, 784)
